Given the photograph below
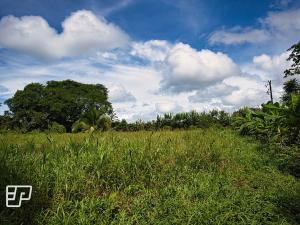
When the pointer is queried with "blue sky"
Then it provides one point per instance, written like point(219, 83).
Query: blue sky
point(154, 56)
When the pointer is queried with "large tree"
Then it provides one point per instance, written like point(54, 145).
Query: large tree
point(58, 101)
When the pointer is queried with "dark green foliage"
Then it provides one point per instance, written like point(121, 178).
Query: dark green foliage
point(274, 122)
point(120, 126)
point(295, 58)
point(290, 87)
point(224, 118)
point(6, 121)
point(287, 158)
point(94, 119)
point(67, 100)
point(63, 102)
point(28, 120)
point(31, 98)
point(57, 128)
point(28, 109)
point(183, 120)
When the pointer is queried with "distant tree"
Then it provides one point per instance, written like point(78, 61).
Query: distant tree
point(224, 118)
point(63, 102)
point(295, 58)
point(290, 87)
point(120, 125)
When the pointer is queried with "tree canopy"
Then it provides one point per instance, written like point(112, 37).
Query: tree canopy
point(62, 102)
point(295, 58)
point(290, 87)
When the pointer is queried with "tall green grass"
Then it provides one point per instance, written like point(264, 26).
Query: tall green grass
point(207, 176)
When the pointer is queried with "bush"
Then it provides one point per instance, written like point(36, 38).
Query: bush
point(57, 128)
point(104, 122)
point(166, 127)
point(286, 158)
point(80, 126)
point(192, 127)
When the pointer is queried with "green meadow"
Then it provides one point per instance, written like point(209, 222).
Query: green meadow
point(201, 176)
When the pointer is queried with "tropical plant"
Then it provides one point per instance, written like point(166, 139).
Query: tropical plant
point(290, 87)
point(272, 122)
point(94, 119)
point(80, 126)
point(104, 122)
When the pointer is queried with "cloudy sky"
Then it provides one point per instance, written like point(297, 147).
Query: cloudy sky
point(155, 56)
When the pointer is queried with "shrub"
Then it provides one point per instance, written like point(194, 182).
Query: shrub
point(104, 122)
point(57, 128)
point(80, 126)
point(166, 127)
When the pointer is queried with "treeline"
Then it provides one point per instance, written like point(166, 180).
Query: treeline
point(97, 120)
point(185, 120)
point(69, 106)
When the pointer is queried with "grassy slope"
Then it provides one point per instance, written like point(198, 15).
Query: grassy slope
point(179, 177)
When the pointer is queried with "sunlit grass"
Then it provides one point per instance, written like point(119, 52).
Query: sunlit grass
point(205, 176)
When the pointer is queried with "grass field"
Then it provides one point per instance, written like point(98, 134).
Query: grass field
point(210, 176)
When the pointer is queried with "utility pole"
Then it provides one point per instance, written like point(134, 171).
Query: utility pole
point(269, 92)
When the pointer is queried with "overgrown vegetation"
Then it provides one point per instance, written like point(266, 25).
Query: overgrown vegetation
point(203, 176)
point(278, 125)
point(273, 122)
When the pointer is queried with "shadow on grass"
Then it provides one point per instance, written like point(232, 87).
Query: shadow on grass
point(29, 210)
point(287, 160)
point(289, 206)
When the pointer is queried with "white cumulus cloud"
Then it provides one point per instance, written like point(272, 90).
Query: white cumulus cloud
point(153, 50)
point(268, 67)
point(249, 88)
point(189, 69)
point(249, 92)
point(83, 32)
